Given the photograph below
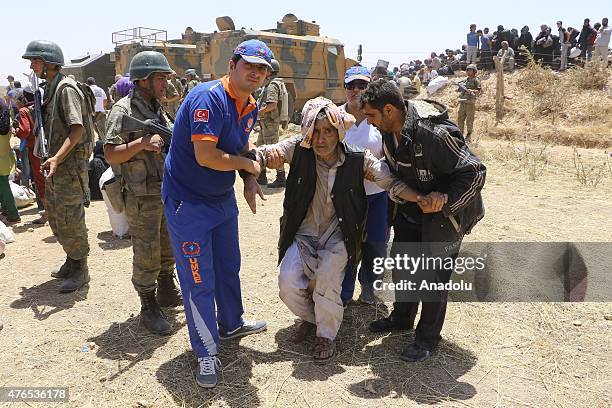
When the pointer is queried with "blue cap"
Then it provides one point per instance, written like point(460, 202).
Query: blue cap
point(255, 52)
point(357, 72)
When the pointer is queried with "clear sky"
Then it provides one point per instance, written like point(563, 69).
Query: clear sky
point(395, 31)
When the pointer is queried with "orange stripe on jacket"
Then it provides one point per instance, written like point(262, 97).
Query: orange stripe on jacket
point(204, 138)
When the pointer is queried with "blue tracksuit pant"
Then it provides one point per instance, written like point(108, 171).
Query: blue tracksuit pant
point(374, 246)
point(205, 244)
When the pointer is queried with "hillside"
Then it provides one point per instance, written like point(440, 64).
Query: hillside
point(569, 108)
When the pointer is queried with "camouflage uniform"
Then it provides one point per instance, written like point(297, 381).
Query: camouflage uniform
point(177, 85)
point(270, 121)
point(190, 85)
point(114, 93)
point(141, 178)
point(467, 106)
point(171, 92)
point(67, 191)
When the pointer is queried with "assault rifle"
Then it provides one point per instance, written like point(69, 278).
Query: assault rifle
point(461, 86)
point(149, 126)
point(40, 149)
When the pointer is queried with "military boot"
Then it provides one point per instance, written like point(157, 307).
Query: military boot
point(280, 180)
point(168, 294)
point(64, 270)
point(151, 316)
point(42, 220)
point(78, 277)
point(262, 179)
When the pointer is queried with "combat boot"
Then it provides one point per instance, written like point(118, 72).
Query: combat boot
point(42, 220)
point(65, 270)
point(151, 316)
point(78, 277)
point(280, 180)
point(262, 179)
point(168, 294)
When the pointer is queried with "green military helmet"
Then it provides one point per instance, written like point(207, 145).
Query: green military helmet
point(147, 62)
point(275, 66)
point(473, 67)
point(47, 51)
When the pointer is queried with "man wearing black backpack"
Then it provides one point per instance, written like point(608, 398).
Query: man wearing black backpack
point(427, 151)
point(64, 117)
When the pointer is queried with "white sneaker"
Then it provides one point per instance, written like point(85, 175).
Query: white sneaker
point(206, 377)
point(248, 327)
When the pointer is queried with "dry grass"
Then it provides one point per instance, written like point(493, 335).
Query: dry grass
point(589, 174)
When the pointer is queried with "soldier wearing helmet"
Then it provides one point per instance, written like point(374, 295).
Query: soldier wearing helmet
point(63, 111)
point(192, 80)
point(138, 158)
point(270, 104)
point(469, 91)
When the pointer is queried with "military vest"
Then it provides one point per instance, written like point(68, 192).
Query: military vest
point(142, 174)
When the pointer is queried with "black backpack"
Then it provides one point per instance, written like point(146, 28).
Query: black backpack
point(5, 120)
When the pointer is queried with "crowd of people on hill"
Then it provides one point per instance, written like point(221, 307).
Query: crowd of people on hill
point(557, 47)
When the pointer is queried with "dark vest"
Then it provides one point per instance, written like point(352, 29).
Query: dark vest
point(348, 196)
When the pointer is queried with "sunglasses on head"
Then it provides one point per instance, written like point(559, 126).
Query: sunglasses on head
point(355, 84)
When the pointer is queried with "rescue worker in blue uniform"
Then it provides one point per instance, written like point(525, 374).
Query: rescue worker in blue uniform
point(210, 136)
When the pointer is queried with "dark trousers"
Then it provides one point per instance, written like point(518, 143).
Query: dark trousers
point(427, 333)
point(375, 245)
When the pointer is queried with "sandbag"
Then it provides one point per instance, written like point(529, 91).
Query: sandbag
point(118, 220)
point(436, 84)
point(23, 195)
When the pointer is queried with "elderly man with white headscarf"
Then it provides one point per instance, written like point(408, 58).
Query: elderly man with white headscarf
point(324, 214)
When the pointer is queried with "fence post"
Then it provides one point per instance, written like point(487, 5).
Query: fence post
point(499, 94)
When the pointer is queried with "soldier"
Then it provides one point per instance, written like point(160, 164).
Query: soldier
point(269, 111)
point(171, 98)
point(192, 80)
point(66, 184)
point(179, 89)
point(467, 101)
point(113, 92)
point(141, 168)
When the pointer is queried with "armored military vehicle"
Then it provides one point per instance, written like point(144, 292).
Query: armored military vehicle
point(98, 66)
point(311, 65)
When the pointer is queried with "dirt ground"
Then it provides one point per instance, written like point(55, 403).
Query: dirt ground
point(493, 354)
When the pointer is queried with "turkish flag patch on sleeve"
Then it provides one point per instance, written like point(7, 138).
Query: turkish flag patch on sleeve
point(200, 115)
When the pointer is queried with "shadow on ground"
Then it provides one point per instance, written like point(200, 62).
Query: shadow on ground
point(51, 239)
point(429, 382)
point(45, 299)
point(129, 343)
point(111, 242)
point(19, 229)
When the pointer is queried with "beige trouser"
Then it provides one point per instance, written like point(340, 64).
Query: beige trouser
point(323, 306)
point(472, 54)
point(600, 53)
point(564, 50)
point(465, 117)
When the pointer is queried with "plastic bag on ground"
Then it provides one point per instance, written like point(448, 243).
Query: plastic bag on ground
point(118, 221)
point(6, 235)
point(23, 195)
